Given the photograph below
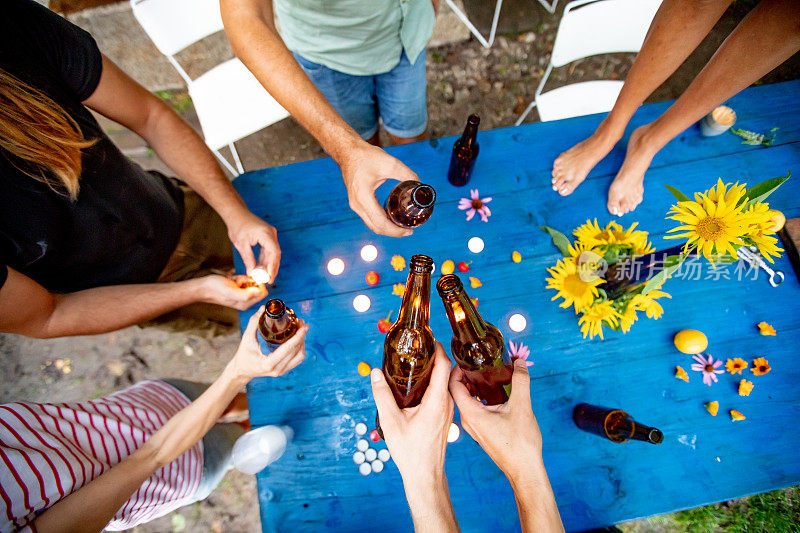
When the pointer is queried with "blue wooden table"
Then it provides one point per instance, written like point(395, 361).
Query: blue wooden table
point(703, 459)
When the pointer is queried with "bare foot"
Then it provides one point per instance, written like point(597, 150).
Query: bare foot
point(572, 166)
point(627, 189)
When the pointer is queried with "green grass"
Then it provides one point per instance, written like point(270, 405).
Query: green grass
point(773, 512)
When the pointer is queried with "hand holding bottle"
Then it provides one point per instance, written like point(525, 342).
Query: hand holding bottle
point(249, 362)
point(508, 432)
point(364, 169)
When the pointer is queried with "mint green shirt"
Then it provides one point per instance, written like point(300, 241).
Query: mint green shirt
point(359, 37)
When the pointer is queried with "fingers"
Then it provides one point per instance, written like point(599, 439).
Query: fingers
point(440, 374)
point(520, 384)
point(270, 256)
point(458, 390)
point(251, 295)
point(402, 172)
point(375, 217)
point(246, 252)
point(249, 336)
point(295, 343)
point(384, 399)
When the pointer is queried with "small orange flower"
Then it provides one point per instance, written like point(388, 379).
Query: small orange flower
point(680, 373)
point(736, 415)
point(475, 282)
point(712, 407)
point(398, 263)
point(745, 387)
point(760, 366)
point(735, 366)
point(398, 289)
point(474, 301)
point(766, 329)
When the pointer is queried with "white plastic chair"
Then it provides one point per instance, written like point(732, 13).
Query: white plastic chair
point(587, 28)
point(487, 43)
point(229, 100)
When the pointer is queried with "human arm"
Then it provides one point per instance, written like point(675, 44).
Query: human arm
point(106, 494)
point(121, 99)
point(251, 31)
point(417, 439)
point(29, 309)
point(510, 435)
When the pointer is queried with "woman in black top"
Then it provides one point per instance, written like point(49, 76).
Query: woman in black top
point(85, 234)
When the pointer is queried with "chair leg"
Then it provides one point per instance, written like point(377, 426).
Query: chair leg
point(236, 158)
point(225, 163)
point(525, 113)
point(551, 8)
point(471, 27)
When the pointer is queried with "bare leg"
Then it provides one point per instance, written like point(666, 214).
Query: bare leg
point(767, 37)
point(677, 29)
point(405, 140)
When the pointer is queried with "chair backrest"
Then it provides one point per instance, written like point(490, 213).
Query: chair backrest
point(175, 24)
point(592, 27)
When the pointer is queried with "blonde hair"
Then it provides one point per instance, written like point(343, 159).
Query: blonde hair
point(38, 131)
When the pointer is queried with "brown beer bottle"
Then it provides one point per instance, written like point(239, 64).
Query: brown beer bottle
point(477, 346)
point(277, 324)
point(465, 151)
point(410, 203)
point(409, 345)
point(614, 424)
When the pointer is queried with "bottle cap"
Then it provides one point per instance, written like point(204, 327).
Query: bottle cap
point(448, 284)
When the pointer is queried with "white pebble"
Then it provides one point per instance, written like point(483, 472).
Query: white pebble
point(359, 458)
point(365, 469)
point(475, 245)
point(371, 454)
point(362, 445)
point(377, 466)
point(384, 455)
point(361, 428)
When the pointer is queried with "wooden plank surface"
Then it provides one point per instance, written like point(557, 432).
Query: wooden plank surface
point(703, 459)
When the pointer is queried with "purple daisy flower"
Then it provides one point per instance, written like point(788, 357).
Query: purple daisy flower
point(708, 367)
point(520, 351)
point(476, 204)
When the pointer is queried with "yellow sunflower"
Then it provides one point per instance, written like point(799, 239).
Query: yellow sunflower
point(627, 318)
point(592, 235)
point(713, 221)
point(648, 304)
point(760, 222)
point(594, 317)
point(567, 281)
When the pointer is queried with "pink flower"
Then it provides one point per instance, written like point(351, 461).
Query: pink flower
point(708, 367)
point(520, 352)
point(476, 203)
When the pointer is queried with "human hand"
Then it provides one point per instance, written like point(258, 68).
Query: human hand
point(507, 432)
point(417, 436)
point(250, 362)
point(248, 230)
point(220, 290)
point(364, 169)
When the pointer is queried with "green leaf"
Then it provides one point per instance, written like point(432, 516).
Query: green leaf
point(672, 263)
point(677, 194)
point(559, 239)
point(761, 191)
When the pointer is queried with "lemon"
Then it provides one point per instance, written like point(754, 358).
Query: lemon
point(777, 218)
point(691, 341)
point(448, 267)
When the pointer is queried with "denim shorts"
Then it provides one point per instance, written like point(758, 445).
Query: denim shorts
point(397, 97)
point(217, 443)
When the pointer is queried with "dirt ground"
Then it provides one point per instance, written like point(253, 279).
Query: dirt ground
point(496, 83)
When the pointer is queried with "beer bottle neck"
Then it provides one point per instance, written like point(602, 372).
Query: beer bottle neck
point(470, 134)
point(645, 433)
point(415, 310)
point(465, 320)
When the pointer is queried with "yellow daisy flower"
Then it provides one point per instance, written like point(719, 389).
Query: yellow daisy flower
point(627, 318)
point(567, 281)
point(760, 232)
point(591, 234)
point(593, 318)
point(736, 365)
point(713, 221)
point(760, 366)
point(648, 304)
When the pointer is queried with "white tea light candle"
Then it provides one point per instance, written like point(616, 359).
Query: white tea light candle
point(369, 253)
point(259, 275)
point(361, 303)
point(335, 266)
point(517, 322)
point(475, 245)
point(453, 433)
